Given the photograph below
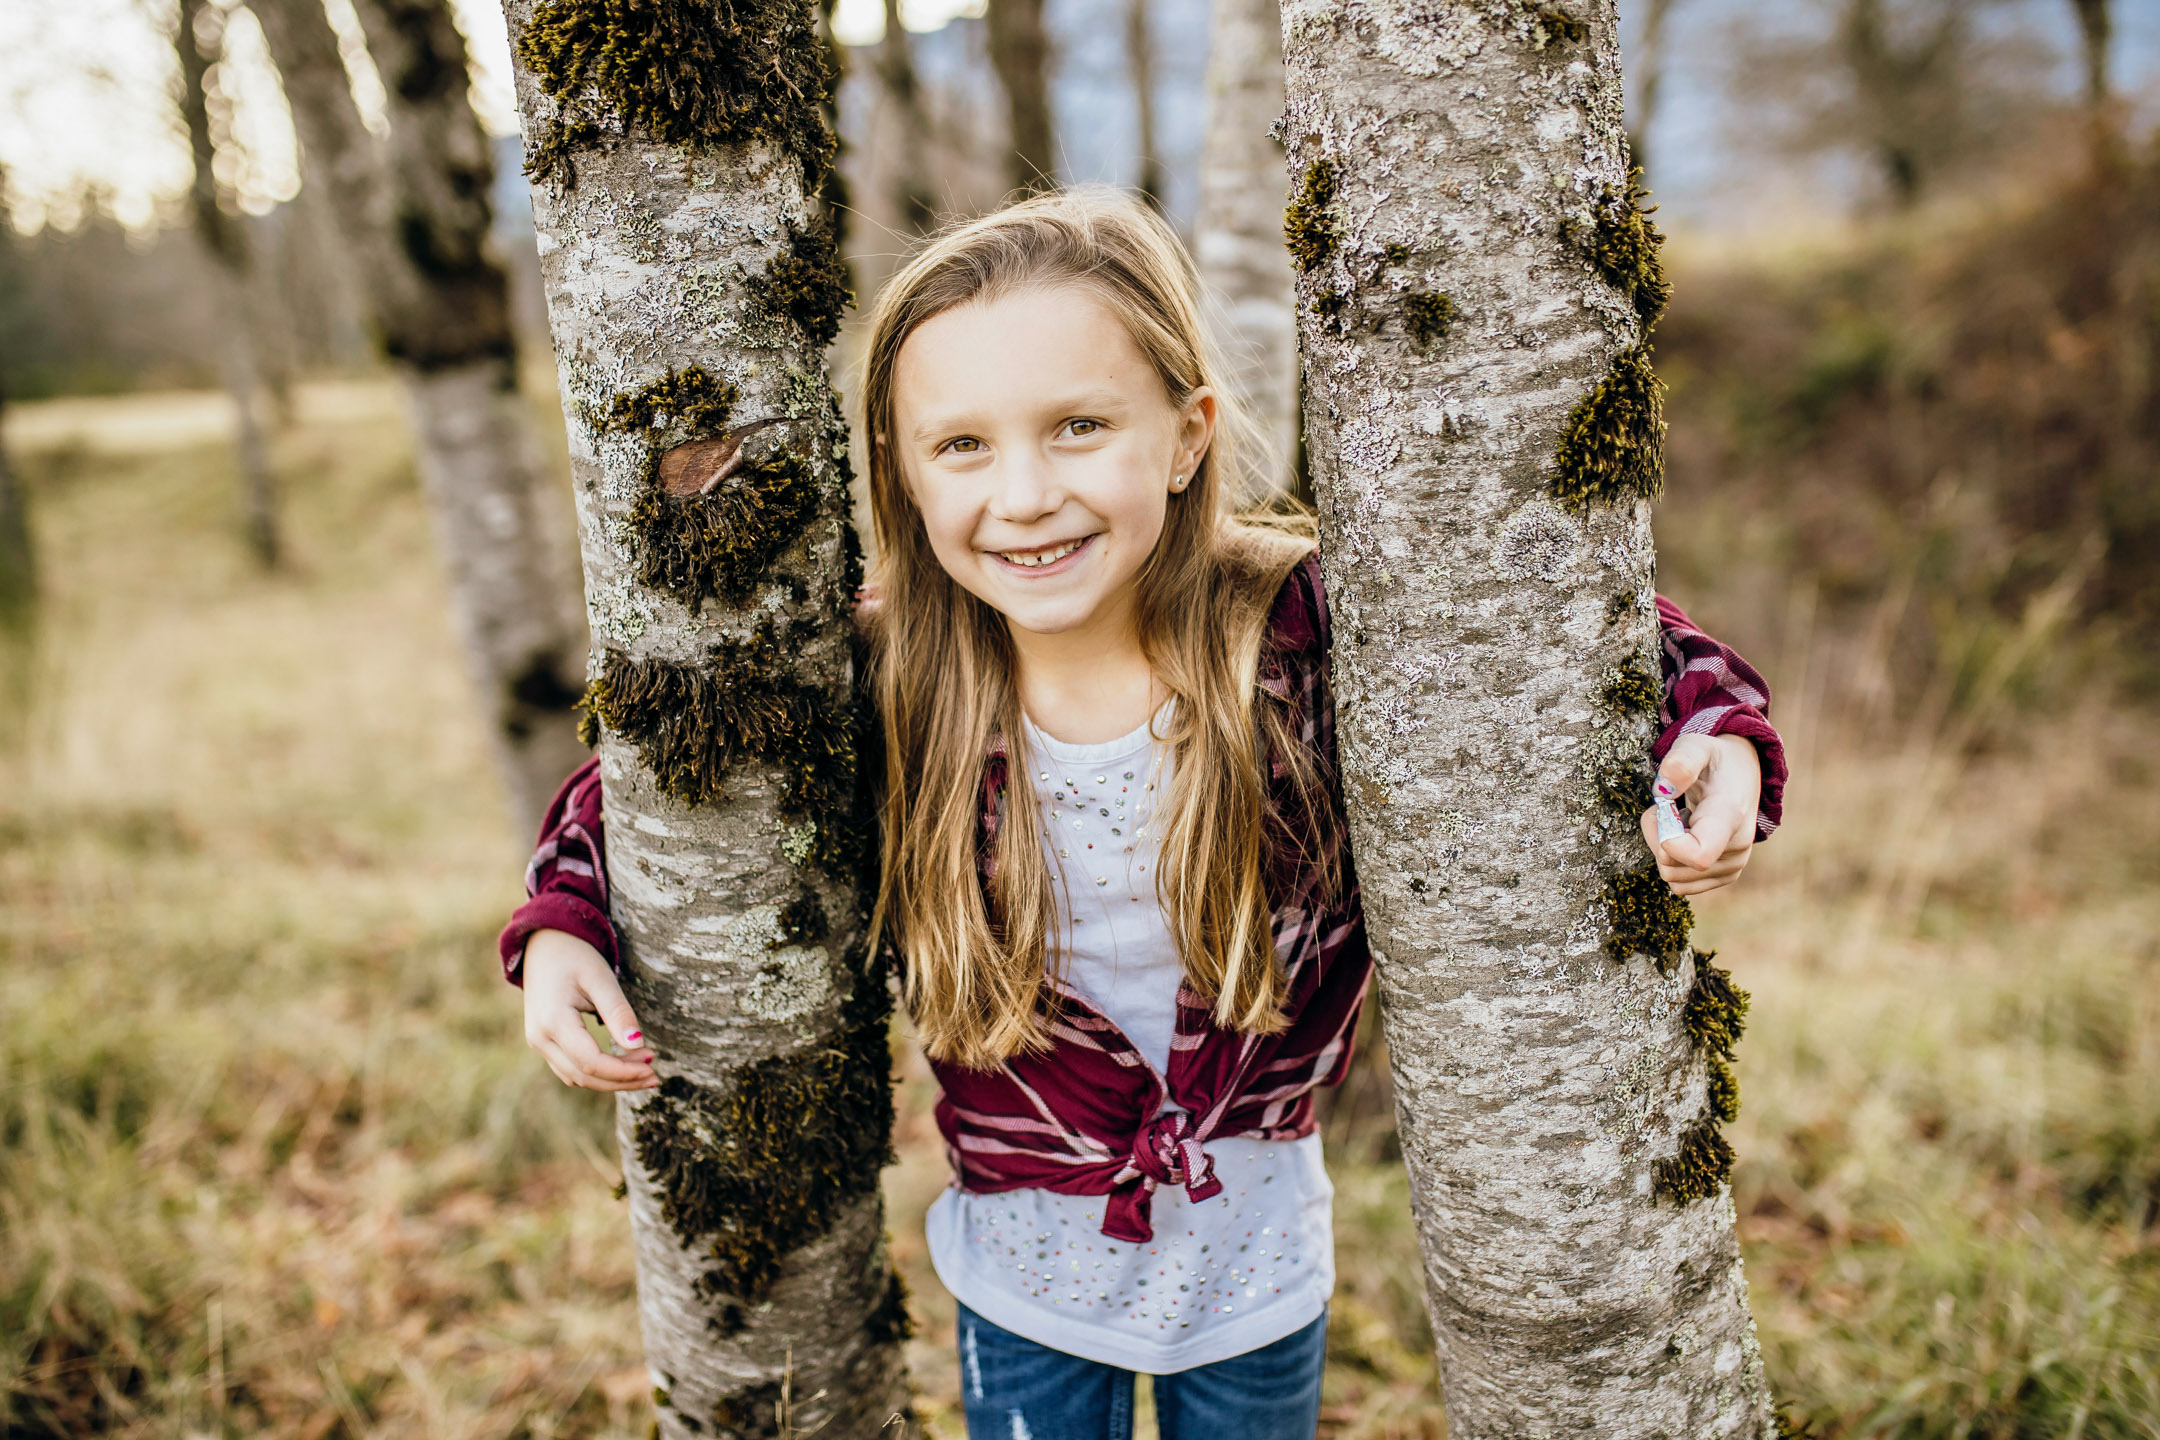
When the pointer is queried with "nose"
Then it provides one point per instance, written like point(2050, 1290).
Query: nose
point(1025, 490)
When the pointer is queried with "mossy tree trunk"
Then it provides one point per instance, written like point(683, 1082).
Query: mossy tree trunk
point(415, 217)
point(1238, 237)
point(225, 244)
point(1477, 284)
point(692, 288)
point(1020, 54)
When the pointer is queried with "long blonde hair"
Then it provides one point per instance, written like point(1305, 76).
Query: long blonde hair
point(944, 669)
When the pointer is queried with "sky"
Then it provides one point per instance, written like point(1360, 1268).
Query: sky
point(85, 99)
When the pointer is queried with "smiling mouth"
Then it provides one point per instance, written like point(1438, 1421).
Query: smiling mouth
point(1047, 555)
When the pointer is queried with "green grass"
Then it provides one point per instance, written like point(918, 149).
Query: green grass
point(276, 1160)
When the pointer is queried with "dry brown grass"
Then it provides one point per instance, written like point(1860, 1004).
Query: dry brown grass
point(276, 1162)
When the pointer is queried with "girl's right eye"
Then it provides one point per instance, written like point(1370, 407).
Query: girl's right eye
point(965, 445)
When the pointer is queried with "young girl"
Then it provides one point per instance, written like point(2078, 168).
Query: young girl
point(1114, 867)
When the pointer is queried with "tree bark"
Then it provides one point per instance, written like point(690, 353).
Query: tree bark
point(692, 290)
point(1238, 238)
point(1020, 53)
point(1475, 292)
point(225, 243)
point(415, 214)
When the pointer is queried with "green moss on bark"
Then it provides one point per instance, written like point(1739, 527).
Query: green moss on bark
point(1699, 1169)
point(1556, 24)
point(809, 284)
point(752, 1173)
point(890, 1323)
point(1645, 916)
point(691, 399)
point(720, 545)
point(1624, 246)
point(1629, 688)
point(1622, 780)
point(1428, 316)
point(1307, 226)
point(717, 544)
point(1723, 1093)
point(1613, 448)
point(693, 725)
point(755, 1412)
point(1715, 1015)
point(685, 72)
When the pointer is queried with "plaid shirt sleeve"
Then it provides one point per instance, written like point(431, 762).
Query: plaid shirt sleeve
point(1710, 690)
point(566, 882)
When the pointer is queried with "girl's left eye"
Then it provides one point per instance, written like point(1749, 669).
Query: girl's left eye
point(1083, 427)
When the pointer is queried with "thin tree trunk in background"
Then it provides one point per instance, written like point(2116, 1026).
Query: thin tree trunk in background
point(1020, 53)
point(415, 215)
point(225, 243)
point(1650, 79)
point(1483, 433)
point(2096, 28)
point(1238, 237)
point(692, 289)
point(911, 193)
point(1140, 61)
point(18, 582)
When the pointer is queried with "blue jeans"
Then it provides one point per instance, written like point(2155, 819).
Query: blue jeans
point(1015, 1389)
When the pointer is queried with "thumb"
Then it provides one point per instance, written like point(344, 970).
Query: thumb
point(615, 1013)
point(1683, 764)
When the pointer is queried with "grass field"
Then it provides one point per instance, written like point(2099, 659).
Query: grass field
point(276, 1160)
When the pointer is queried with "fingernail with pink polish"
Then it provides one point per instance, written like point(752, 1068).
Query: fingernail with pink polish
point(633, 1036)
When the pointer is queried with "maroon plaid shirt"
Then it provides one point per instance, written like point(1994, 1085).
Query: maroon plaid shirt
point(1088, 1116)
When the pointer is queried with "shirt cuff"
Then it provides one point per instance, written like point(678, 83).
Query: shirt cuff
point(553, 910)
point(1749, 723)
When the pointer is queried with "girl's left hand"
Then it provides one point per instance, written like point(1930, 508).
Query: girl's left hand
point(1721, 776)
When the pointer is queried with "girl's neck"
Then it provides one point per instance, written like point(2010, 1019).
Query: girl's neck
point(1088, 684)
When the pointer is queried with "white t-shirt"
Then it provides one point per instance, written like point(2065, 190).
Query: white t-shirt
point(1222, 1276)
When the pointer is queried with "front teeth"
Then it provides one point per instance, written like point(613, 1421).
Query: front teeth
point(1041, 557)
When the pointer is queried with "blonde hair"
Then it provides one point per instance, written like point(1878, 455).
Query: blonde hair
point(946, 689)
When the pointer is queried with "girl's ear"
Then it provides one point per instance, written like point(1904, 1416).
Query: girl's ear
point(1196, 432)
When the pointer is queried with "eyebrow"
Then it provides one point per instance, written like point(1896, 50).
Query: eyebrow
point(1081, 402)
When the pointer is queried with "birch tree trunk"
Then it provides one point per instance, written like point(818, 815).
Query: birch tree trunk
point(1476, 288)
point(415, 215)
point(1238, 238)
point(692, 289)
point(225, 244)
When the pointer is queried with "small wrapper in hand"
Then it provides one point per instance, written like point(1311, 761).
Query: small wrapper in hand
point(1667, 800)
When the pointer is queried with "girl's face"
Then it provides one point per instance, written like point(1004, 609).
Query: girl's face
point(1042, 450)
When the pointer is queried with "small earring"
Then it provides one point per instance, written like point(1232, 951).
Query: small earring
point(1177, 482)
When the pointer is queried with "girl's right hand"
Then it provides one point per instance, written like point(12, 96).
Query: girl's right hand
point(566, 980)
